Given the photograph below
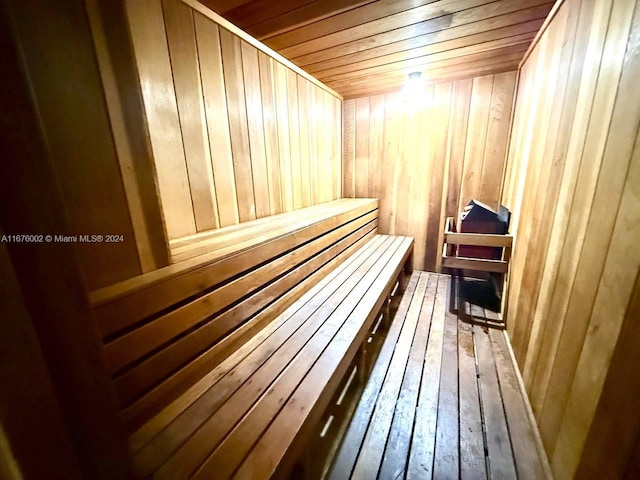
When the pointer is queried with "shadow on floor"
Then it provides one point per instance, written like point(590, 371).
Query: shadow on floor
point(476, 301)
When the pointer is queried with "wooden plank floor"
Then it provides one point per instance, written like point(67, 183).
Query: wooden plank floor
point(442, 401)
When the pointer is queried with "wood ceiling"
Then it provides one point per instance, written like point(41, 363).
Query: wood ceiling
point(363, 47)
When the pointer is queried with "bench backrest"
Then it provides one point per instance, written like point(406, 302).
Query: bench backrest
point(164, 330)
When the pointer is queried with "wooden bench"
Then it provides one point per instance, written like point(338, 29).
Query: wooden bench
point(224, 361)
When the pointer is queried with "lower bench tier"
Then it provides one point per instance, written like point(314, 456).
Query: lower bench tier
point(250, 416)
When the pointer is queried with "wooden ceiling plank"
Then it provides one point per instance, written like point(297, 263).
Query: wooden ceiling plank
point(306, 40)
point(223, 6)
point(464, 17)
point(492, 47)
point(430, 73)
point(353, 62)
point(252, 12)
point(304, 15)
point(389, 88)
point(364, 15)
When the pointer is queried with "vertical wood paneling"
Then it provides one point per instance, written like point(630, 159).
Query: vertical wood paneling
point(348, 147)
point(391, 131)
point(362, 147)
point(186, 78)
point(154, 67)
point(426, 157)
point(251, 73)
point(337, 146)
point(324, 151)
point(459, 120)
point(294, 138)
point(313, 120)
point(267, 87)
point(439, 140)
point(533, 168)
point(476, 143)
point(376, 139)
point(236, 134)
point(284, 145)
point(238, 127)
point(215, 101)
point(333, 147)
point(303, 128)
point(577, 209)
point(496, 143)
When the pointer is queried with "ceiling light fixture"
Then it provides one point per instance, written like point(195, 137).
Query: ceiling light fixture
point(414, 88)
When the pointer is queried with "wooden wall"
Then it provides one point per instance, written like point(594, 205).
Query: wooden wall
point(573, 182)
point(236, 134)
point(426, 156)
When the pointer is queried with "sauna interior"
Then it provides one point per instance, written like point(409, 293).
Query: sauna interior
point(183, 181)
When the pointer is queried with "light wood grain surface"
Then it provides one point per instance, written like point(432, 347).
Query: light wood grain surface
point(442, 400)
point(366, 47)
point(229, 121)
point(570, 178)
point(425, 155)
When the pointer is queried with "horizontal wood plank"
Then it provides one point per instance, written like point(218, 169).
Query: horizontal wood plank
point(134, 299)
point(361, 272)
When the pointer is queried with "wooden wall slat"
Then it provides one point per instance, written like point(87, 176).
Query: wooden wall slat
point(440, 141)
point(533, 168)
point(391, 131)
point(251, 73)
point(294, 138)
point(324, 150)
point(362, 147)
point(540, 369)
point(555, 148)
point(210, 55)
point(497, 135)
point(333, 129)
point(267, 88)
point(238, 127)
point(376, 139)
point(348, 147)
point(186, 78)
point(314, 112)
point(459, 121)
point(421, 125)
point(235, 129)
point(156, 78)
point(569, 331)
point(573, 182)
point(476, 137)
point(284, 145)
point(425, 156)
point(337, 146)
point(303, 127)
